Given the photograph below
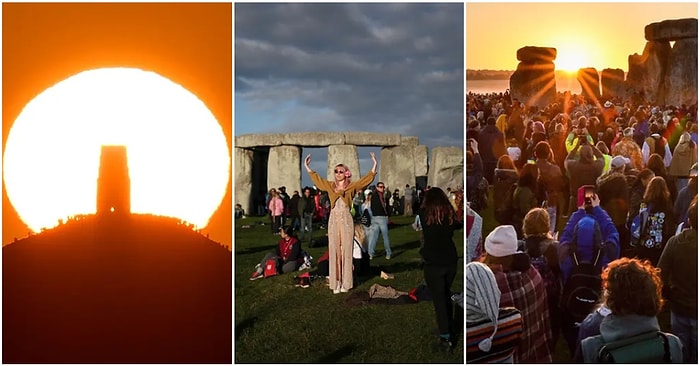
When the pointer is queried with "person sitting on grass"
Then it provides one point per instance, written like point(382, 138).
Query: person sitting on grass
point(287, 255)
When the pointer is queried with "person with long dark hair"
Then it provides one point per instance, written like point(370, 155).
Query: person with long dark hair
point(439, 221)
point(340, 224)
point(660, 224)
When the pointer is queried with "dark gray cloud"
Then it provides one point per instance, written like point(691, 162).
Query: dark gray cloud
point(351, 67)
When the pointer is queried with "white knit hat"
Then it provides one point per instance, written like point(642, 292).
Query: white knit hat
point(502, 241)
point(483, 297)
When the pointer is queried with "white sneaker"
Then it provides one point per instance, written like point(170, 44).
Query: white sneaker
point(336, 291)
point(344, 290)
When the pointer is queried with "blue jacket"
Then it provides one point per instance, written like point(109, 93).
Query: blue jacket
point(611, 238)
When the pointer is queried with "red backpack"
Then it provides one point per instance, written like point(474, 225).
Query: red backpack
point(270, 268)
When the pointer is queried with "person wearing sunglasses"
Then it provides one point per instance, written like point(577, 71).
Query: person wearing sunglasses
point(340, 223)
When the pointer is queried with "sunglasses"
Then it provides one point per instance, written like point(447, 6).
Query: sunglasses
point(380, 186)
point(339, 171)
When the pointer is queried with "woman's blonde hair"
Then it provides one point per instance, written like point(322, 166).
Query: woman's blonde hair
point(360, 234)
point(536, 223)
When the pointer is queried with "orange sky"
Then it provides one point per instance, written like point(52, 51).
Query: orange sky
point(190, 44)
point(600, 35)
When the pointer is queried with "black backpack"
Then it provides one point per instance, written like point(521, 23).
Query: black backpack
point(583, 288)
point(365, 219)
point(650, 347)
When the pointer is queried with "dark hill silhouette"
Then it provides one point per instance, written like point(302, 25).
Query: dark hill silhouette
point(116, 289)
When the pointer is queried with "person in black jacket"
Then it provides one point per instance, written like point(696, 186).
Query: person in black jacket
point(439, 221)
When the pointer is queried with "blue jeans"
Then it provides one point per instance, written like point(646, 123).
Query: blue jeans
point(687, 330)
point(379, 223)
point(306, 225)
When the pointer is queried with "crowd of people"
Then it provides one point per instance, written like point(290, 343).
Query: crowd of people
point(358, 213)
point(590, 231)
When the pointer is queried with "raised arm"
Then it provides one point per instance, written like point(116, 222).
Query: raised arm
point(319, 182)
point(367, 178)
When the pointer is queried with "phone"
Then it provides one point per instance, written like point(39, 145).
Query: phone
point(588, 194)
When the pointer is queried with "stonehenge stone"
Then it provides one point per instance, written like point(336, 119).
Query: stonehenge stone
point(397, 167)
point(671, 30)
point(420, 157)
point(243, 178)
point(320, 139)
point(533, 82)
point(284, 168)
point(612, 82)
point(655, 61)
point(681, 78)
point(254, 140)
point(446, 167)
point(265, 161)
point(590, 85)
point(537, 54)
point(409, 140)
point(313, 139)
point(343, 154)
point(372, 139)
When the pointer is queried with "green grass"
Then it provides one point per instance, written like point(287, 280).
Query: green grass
point(276, 322)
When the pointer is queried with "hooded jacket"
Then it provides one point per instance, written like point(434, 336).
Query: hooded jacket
point(616, 327)
point(679, 264)
point(610, 237)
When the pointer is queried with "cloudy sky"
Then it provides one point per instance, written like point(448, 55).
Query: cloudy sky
point(387, 68)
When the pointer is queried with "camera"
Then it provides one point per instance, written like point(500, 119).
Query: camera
point(588, 194)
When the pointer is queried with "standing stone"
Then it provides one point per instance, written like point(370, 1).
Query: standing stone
point(681, 80)
point(397, 167)
point(646, 75)
point(284, 168)
point(343, 154)
point(533, 82)
point(671, 30)
point(613, 83)
point(243, 180)
point(446, 167)
point(420, 156)
point(590, 85)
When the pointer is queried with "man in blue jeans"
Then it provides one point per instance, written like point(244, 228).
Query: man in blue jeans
point(380, 221)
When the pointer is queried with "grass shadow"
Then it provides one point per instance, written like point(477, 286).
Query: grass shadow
point(245, 324)
point(256, 250)
point(336, 356)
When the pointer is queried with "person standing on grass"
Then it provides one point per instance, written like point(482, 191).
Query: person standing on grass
point(380, 221)
point(276, 207)
point(679, 274)
point(439, 253)
point(340, 223)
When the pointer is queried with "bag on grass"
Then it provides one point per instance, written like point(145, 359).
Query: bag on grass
point(270, 268)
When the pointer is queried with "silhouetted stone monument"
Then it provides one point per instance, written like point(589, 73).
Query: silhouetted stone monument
point(113, 183)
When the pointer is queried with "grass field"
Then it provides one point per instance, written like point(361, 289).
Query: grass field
point(276, 322)
point(561, 352)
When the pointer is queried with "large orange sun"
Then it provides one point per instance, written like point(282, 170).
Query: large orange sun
point(178, 158)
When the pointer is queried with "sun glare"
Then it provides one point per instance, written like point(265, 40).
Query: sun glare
point(570, 59)
point(178, 157)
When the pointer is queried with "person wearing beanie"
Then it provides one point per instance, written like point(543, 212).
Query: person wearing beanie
point(482, 305)
point(521, 287)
